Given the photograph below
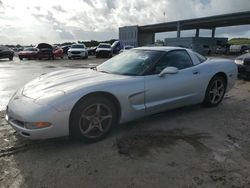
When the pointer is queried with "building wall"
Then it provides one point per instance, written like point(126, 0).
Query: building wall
point(129, 35)
point(202, 45)
point(146, 39)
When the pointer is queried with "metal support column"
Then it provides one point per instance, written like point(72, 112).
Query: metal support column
point(213, 32)
point(178, 29)
point(197, 33)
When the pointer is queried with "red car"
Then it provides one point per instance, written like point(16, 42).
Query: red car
point(42, 51)
point(57, 52)
point(29, 53)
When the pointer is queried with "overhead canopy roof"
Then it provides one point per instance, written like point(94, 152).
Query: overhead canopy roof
point(240, 18)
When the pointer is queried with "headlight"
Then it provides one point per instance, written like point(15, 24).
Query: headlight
point(238, 61)
point(36, 125)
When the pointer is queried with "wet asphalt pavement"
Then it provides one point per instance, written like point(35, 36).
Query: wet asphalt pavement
point(14, 74)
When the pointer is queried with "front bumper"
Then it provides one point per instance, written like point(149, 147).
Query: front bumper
point(244, 71)
point(22, 109)
point(27, 55)
point(78, 54)
point(103, 53)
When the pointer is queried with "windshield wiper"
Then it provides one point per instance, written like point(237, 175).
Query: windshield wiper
point(94, 68)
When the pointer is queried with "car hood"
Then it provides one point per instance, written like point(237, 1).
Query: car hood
point(103, 49)
point(66, 81)
point(27, 52)
point(77, 49)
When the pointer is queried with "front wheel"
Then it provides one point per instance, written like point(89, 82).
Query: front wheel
point(92, 119)
point(215, 91)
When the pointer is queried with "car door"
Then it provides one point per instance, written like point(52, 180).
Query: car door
point(172, 90)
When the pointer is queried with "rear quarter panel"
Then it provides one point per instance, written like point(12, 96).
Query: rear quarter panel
point(214, 66)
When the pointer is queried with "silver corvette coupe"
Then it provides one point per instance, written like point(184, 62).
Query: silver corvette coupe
point(87, 103)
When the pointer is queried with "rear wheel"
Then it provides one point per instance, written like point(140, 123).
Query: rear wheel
point(92, 119)
point(215, 91)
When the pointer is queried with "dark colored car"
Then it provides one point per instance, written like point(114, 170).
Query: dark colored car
point(45, 51)
point(28, 53)
point(116, 47)
point(91, 50)
point(243, 63)
point(104, 50)
point(6, 53)
point(66, 48)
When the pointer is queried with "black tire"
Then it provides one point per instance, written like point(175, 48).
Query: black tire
point(62, 57)
point(11, 58)
point(21, 58)
point(69, 57)
point(211, 93)
point(85, 128)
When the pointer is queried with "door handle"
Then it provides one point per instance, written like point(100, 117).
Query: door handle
point(196, 72)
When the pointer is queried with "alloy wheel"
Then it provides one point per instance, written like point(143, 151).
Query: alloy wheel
point(95, 120)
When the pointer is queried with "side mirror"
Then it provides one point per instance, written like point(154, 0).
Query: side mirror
point(169, 70)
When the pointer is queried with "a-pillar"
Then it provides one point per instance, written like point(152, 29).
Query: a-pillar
point(197, 33)
point(213, 32)
point(178, 29)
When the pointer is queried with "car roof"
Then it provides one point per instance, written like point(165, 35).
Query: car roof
point(104, 44)
point(78, 44)
point(161, 48)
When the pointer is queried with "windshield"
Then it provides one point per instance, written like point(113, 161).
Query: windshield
point(104, 46)
point(77, 46)
point(133, 62)
point(30, 49)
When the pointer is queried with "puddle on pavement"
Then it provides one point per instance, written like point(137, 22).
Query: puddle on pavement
point(141, 143)
point(49, 67)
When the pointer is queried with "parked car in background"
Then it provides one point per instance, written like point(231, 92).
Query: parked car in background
point(116, 47)
point(88, 103)
point(206, 50)
point(28, 53)
point(91, 50)
point(45, 51)
point(78, 51)
point(222, 50)
point(6, 53)
point(126, 48)
point(66, 48)
point(243, 63)
point(239, 49)
point(104, 50)
point(57, 52)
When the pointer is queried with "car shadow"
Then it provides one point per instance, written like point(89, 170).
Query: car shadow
point(157, 122)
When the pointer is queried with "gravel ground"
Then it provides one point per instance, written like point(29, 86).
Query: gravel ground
point(186, 147)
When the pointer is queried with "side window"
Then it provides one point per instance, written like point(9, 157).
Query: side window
point(200, 57)
point(179, 59)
